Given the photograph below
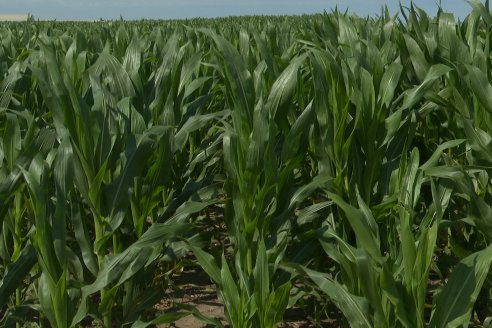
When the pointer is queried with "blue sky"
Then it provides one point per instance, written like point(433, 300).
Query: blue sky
point(136, 9)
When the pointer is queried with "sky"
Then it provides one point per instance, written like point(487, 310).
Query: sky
point(170, 9)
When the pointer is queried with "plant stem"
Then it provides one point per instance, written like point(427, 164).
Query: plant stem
point(100, 259)
point(17, 243)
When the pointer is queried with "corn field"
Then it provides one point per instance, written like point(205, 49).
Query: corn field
point(327, 159)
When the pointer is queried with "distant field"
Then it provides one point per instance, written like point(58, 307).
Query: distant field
point(323, 170)
point(13, 17)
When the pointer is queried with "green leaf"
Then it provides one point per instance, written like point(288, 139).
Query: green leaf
point(16, 272)
point(293, 142)
point(238, 78)
point(362, 223)
point(168, 317)
point(284, 86)
point(420, 64)
point(126, 264)
point(480, 8)
point(354, 308)
point(229, 291)
point(481, 87)
point(454, 303)
point(11, 140)
point(416, 94)
point(389, 82)
point(262, 281)
point(433, 160)
point(193, 124)
point(119, 191)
